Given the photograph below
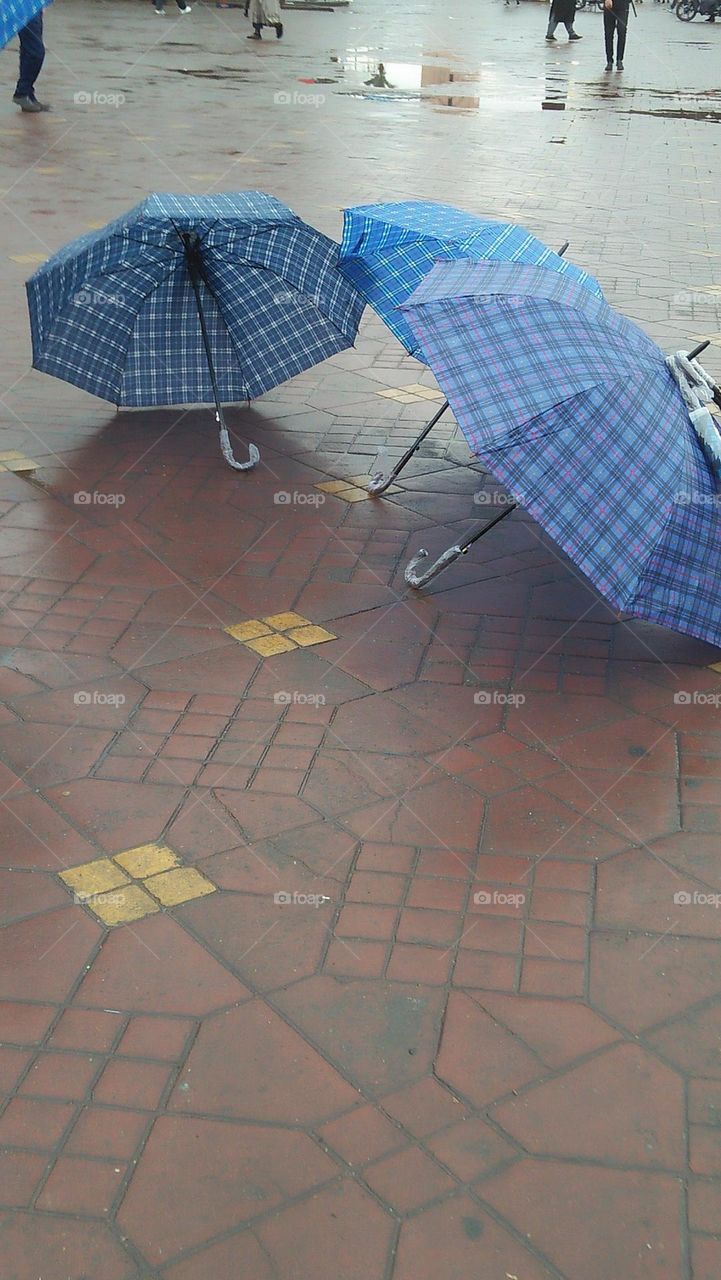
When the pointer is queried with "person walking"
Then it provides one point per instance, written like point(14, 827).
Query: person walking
point(32, 57)
point(264, 13)
point(615, 19)
point(160, 7)
point(562, 11)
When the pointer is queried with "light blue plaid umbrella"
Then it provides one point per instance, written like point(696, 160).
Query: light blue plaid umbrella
point(577, 412)
point(192, 300)
point(389, 248)
point(16, 14)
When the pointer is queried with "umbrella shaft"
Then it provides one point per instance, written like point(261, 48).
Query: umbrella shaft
point(195, 273)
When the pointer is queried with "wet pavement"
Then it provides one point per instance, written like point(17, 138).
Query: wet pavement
point(402, 955)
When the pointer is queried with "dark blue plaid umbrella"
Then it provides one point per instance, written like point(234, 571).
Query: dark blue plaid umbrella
point(575, 410)
point(389, 248)
point(16, 14)
point(192, 300)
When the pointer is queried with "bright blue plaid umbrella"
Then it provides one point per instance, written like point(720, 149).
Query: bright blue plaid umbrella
point(16, 14)
point(190, 300)
point(389, 248)
point(574, 409)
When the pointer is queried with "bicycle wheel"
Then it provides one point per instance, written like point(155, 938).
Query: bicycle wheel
point(686, 10)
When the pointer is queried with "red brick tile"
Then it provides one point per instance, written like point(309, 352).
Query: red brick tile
point(413, 962)
point(225, 775)
point(557, 941)
point(12, 1064)
point(122, 768)
point(162, 1038)
point(135, 744)
point(489, 933)
point(552, 978)
point(61, 1075)
point(24, 1023)
point(487, 971)
point(20, 1173)
point(209, 725)
point(374, 887)
point(704, 1102)
point(366, 922)
point(159, 700)
point(706, 1255)
point(407, 1180)
point(214, 704)
point(424, 1107)
point(168, 1208)
point(441, 895)
point(470, 1148)
point(174, 772)
point(440, 928)
point(362, 1135)
point(384, 857)
point(297, 758)
point(278, 782)
point(299, 735)
point(102, 1131)
point(185, 747)
point(153, 722)
point(704, 1206)
point(574, 876)
point(81, 1186)
point(447, 1239)
point(444, 862)
point(705, 1150)
point(28, 1122)
point(132, 1084)
point(239, 1257)
point(340, 1231)
point(547, 904)
point(479, 1059)
point(356, 959)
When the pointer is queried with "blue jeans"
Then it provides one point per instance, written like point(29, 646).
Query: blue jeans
point(32, 56)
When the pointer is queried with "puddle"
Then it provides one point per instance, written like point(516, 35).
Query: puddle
point(712, 117)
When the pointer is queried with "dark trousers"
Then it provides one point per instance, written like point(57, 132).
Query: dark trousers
point(615, 19)
point(32, 56)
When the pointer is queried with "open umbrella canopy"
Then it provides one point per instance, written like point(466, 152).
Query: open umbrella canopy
point(574, 409)
point(117, 311)
point(16, 14)
point(389, 248)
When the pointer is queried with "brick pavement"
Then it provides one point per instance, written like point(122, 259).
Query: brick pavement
point(479, 1037)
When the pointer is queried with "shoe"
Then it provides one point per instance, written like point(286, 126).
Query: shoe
point(187, 9)
point(30, 104)
point(553, 38)
point(575, 36)
point(279, 30)
point(160, 12)
point(255, 36)
point(619, 66)
point(609, 66)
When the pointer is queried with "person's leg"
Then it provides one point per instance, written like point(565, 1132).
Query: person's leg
point(622, 28)
point(32, 56)
point(551, 28)
point(572, 35)
point(609, 26)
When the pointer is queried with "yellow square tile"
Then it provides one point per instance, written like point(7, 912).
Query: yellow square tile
point(390, 393)
point(268, 646)
point(284, 621)
point(715, 666)
point(9, 453)
point(94, 877)
point(20, 464)
point(332, 486)
point(121, 906)
point(179, 886)
point(311, 635)
point(404, 397)
point(27, 259)
point(354, 494)
point(146, 860)
point(247, 630)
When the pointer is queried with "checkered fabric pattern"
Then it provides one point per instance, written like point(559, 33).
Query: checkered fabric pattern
point(572, 408)
point(15, 14)
point(388, 249)
point(115, 313)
